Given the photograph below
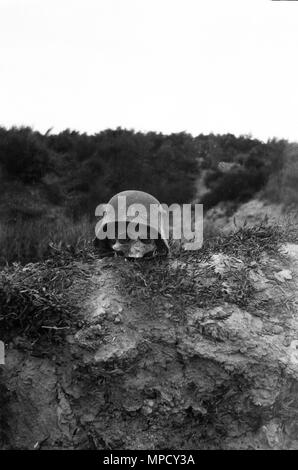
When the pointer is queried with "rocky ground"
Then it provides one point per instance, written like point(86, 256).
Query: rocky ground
point(191, 352)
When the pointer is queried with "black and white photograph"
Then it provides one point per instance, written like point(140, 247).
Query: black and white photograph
point(148, 228)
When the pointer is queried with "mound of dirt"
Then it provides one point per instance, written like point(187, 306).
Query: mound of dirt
point(156, 367)
point(226, 218)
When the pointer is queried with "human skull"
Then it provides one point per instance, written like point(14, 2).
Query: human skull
point(133, 248)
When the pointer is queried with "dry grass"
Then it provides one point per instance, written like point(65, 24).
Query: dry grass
point(35, 240)
point(40, 294)
point(40, 301)
point(186, 279)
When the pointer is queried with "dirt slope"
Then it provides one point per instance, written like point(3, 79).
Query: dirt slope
point(226, 218)
point(139, 373)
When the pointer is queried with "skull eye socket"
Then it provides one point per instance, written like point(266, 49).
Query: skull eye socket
point(146, 241)
point(121, 241)
point(126, 240)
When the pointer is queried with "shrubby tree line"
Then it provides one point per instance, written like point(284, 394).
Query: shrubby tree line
point(79, 171)
point(255, 162)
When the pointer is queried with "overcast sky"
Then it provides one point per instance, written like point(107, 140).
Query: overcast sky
point(165, 65)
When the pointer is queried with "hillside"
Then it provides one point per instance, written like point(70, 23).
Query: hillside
point(50, 184)
point(197, 351)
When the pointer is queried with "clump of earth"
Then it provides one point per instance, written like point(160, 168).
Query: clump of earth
point(142, 371)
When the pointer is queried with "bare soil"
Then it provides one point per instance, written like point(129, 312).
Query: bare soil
point(132, 373)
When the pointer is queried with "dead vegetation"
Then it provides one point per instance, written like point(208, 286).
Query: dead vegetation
point(188, 279)
point(37, 300)
point(34, 240)
point(166, 351)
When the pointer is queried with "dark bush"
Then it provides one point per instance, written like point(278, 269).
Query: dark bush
point(23, 154)
point(235, 186)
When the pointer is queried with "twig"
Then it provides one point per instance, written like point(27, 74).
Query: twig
point(55, 327)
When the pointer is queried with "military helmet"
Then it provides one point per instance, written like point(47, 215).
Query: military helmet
point(121, 218)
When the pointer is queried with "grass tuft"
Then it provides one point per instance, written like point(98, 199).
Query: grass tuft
point(38, 302)
point(41, 300)
point(37, 240)
point(187, 278)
